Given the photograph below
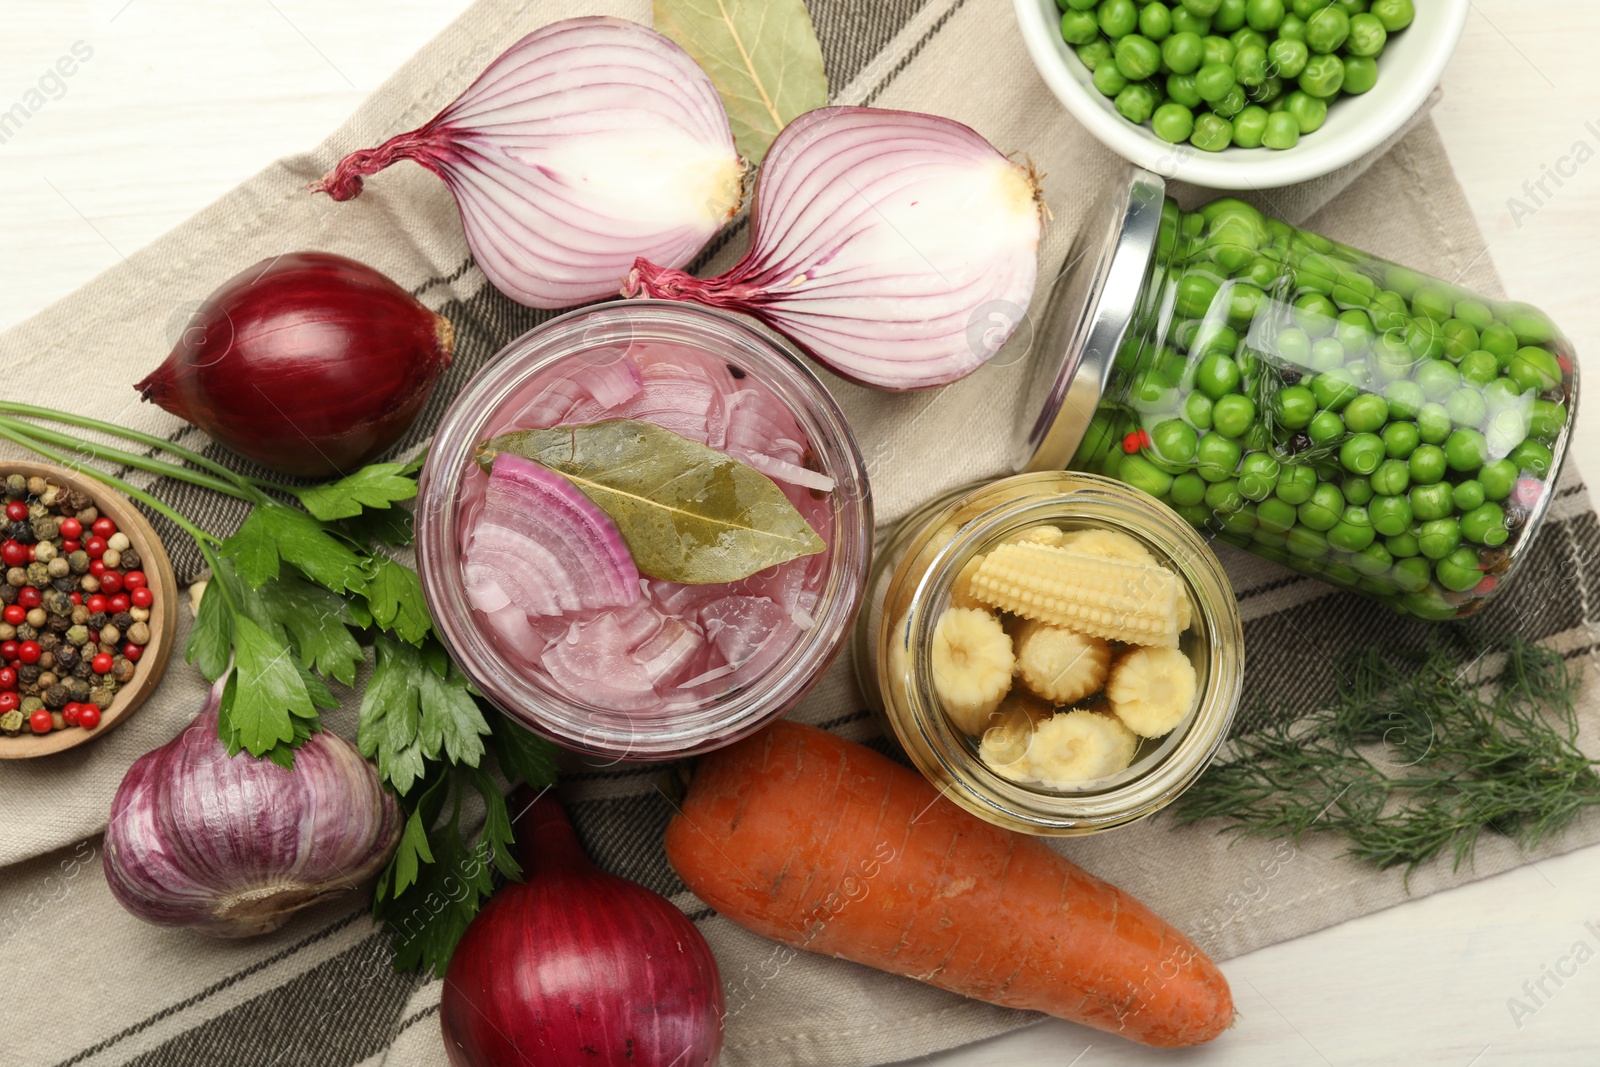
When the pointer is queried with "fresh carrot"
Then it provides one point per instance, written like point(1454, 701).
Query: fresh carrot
point(826, 845)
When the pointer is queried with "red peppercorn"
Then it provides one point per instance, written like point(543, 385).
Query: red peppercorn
point(118, 603)
point(69, 547)
point(101, 663)
point(71, 529)
point(89, 716)
point(132, 652)
point(41, 722)
point(17, 511)
point(111, 582)
point(8, 678)
point(97, 603)
point(103, 527)
point(8, 650)
point(1485, 587)
point(9, 702)
point(29, 652)
point(142, 597)
point(29, 597)
point(77, 598)
point(12, 554)
point(70, 713)
point(97, 568)
point(16, 614)
point(1136, 440)
point(134, 580)
point(95, 546)
point(33, 551)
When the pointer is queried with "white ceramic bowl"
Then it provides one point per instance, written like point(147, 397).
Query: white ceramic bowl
point(1408, 70)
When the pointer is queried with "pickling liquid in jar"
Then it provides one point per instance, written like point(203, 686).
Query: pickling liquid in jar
point(651, 668)
point(1359, 422)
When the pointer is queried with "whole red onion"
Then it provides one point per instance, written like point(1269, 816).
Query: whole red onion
point(577, 966)
point(310, 364)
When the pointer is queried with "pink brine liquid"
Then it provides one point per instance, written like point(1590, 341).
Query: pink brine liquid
point(676, 646)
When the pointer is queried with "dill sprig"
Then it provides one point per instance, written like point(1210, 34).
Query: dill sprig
point(1417, 754)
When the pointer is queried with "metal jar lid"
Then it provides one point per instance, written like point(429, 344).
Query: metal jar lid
point(1091, 304)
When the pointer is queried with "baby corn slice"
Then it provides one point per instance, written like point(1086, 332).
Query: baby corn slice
point(1120, 600)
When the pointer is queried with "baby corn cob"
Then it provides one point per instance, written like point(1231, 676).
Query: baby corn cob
point(1120, 600)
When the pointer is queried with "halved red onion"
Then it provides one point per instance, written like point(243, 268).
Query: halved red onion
point(543, 546)
point(880, 242)
point(585, 144)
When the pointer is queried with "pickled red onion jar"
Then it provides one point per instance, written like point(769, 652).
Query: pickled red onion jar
point(683, 668)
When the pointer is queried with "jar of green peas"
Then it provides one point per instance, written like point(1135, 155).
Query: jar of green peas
point(1360, 422)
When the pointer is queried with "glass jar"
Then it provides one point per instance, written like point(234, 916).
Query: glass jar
point(916, 583)
point(1392, 434)
point(737, 654)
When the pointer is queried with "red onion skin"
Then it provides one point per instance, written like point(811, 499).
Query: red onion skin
point(310, 364)
point(577, 966)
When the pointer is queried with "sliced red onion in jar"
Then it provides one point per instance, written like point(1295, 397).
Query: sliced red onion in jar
point(899, 249)
point(585, 144)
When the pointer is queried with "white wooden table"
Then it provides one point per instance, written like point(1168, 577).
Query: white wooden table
point(177, 102)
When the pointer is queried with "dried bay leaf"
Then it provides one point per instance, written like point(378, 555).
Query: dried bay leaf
point(762, 55)
point(689, 513)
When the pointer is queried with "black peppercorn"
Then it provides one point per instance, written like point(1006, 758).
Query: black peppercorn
point(65, 585)
point(66, 657)
point(79, 688)
point(97, 619)
point(83, 668)
point(22, 533)
point(8, 593)
point(131, 560)
point(122, 620)
point(59, 624)
point(57, 696)
point(1299, 442)
point(28, 673)
point(49, 642)
point(122, 670)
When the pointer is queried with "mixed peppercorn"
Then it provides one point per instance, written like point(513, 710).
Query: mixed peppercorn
point(75, 607)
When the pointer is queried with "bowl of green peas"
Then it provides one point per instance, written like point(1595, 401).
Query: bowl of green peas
point(1241, 94)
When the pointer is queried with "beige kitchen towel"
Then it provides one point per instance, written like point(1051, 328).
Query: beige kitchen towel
point(320, 992)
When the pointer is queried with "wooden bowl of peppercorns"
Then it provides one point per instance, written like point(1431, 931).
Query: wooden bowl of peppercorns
point(89, 606)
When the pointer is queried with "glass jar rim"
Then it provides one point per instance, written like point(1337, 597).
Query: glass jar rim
point(943, 755)
point(655, 734)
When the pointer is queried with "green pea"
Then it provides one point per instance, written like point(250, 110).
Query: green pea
point(1241, 34)
point(1109, 80)
point(1283, 132)
point(1327, 30)
point(1395, 15)
point(1174, 441)
point(1353, 290)
point(1258, 476)
point(1547, 419)
point(1268, 543)
point(1233, 414)
point(1532, 457)
point(1430, 501)
point(1498, 479)
point(1427, 464)
point(1268, 91)
point(1077, 5)
point(1308, 111)
point(1296, 484)
point(1327, 354)
point(1142, 474)
point(1288, 56)
point(1136, 103)
point(1217, 376)
point(1479, 367)
point(1323, 76)
point(1118, 18)
point(1333, 390)
point(1459, 571)
point(1207, 8)
point(1459, 339)
point(1438, 538)
point(1467, 495)
point(1411, 575)
point(1535, 369)
point(1500, 340)
point(1155, 21)
point(1466, 450)
point(1250, 65)
point(1433, 423)
point(1264, 15)
point(1138, 57)
point(1181, 90)
point(1372, 561)
point(1324, 509)
point(1186, 21)
point(1096, 52)
point(1079, 27)
point(1217, 51)
point(1506, 430)
point(1392, 477)
point(1196, 289)
point(1239, 523)
point(1294, 407)
point(1361, 453)
point(1353, 330)
point(1315, 313)
point(1391, 515)
point(1357, 489)
point(1224, 497)
point(1360, 74)
point(1307, 542)
point(1366, 413)
point(1485, 525)
point(1405, 398)
point(1367, 35)
point(1249, 127)
point(1433, 301)
point(1474, 313)
point(1403, 545)
point(1215, 80)
point(1316, 273)
point(1217, 457)
point(1275, 515)
point(1400, 439)
point(1438, 379)
point(1182, 53)
point(1532, 326)
point(1389, 310)
point(1198, 411)
point(1325, 428)
point(1354, 530)
point(1172, 122)
point(1198, 516)
point(1188, 489)
point(1425, 338)
point(1230, 15)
